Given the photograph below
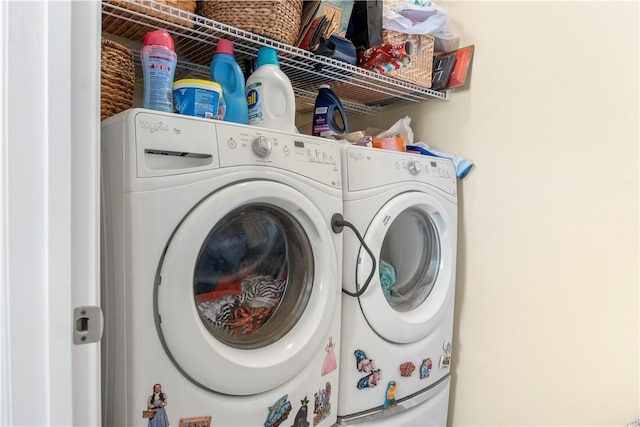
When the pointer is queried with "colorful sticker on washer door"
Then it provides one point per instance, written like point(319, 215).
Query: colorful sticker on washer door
point(195, 422)
point(278, 412)
point(363, 363)
point(425, 368)
point(330, 364)
point(406, 369)
point(301, 416)
point(322, 404)
point(390, 395)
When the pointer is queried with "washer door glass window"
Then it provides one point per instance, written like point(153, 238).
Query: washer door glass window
point(409, 260)
point(253, 276)
point(414, 235)
point(246, 287)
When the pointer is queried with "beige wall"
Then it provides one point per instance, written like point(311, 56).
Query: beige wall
point(547, 294)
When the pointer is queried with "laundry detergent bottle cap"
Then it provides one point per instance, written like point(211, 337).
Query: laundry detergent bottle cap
point(267, 56)
point(329, 117)
point(159, 61)
point(225, 70)
point(159, 38)
point(270, 96)
point(224, 46)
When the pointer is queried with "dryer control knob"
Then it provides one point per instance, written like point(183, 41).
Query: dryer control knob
point(414, 168)
point(261, 146)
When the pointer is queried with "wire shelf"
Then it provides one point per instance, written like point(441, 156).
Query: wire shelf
point(195, 38)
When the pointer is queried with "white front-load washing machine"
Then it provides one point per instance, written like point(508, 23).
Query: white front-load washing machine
point(221, 274)
point(398, 300)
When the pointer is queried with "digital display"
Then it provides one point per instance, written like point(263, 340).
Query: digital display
point(434, 164)
point(298, 144)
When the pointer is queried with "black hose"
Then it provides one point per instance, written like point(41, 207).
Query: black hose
point(337, 224)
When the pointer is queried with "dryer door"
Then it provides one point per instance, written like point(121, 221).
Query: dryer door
point(245, 288)
point(414, 239)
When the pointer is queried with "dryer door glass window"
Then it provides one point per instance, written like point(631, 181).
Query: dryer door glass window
point(253, 276)
point(409, 260)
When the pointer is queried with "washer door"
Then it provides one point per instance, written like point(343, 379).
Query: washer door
point(414, 240)
point(246, 288)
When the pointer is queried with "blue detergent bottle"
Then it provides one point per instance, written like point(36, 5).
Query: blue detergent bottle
point(329, 117)
point(225, 70)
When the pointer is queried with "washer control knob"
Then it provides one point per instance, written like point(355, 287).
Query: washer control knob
point(261, 146)
point(414, 168)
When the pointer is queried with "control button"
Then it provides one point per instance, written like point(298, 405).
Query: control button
point(261, 146)
point(414, 168)
point(397, 166)
point(232, 143)
point(286, 150)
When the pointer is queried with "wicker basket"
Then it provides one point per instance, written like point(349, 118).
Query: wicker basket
point(419, 72)
point(138, 26)
point(117, 78)
point(277, 19)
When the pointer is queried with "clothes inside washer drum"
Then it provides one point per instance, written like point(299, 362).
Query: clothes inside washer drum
point(247, 311)
point(387, 277)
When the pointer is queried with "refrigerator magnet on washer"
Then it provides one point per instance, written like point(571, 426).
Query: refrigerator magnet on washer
point(322, 404)
point(425, 369)
point(406, 369)
point(300, 419)
point(278, 412)
point(390, 395)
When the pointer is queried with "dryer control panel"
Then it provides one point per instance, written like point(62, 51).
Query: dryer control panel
point(373, 167)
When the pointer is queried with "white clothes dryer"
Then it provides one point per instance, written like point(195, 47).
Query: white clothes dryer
point(397, 330)
point(220, 273)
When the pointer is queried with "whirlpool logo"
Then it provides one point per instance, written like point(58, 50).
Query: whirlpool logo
point(154, 126)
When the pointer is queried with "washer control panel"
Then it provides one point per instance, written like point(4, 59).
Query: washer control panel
point(313, 157)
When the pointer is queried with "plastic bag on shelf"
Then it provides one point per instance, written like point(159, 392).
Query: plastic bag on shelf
point(420, 17)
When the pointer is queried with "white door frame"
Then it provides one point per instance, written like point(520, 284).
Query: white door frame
point(49, 210)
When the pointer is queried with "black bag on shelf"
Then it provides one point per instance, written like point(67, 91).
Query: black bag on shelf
point(365, 24)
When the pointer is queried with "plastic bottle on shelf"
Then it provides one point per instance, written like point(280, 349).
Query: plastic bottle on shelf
point(329, 117)
point(225, 70)
point(159, 61)
point(270, 96)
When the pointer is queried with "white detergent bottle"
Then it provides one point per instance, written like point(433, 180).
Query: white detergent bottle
point(270, 97)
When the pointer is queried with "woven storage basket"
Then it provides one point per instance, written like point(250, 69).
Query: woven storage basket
point(277, 20)
point(419, 72)
point(117, 78)
point(138, 26)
